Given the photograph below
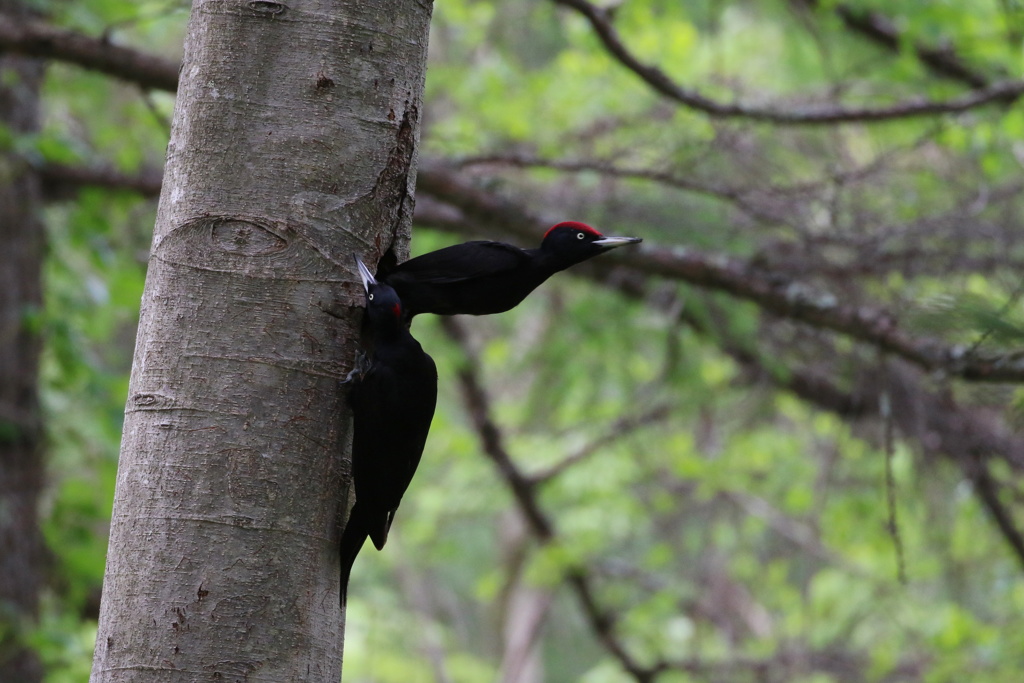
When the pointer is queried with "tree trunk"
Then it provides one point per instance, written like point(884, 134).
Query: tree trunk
point(293, 145)
point(21, 456)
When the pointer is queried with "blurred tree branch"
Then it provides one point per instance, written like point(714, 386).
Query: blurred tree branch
point(477, 406)
point(621, 428)
point(733, 195)
point(450, 201)
point(775, 293)
point(847, 666)
point(943, 62)
point(934, 421)
point(63, 181)
point(1004, 92)
point(471, 210)
point(35, 38)
point(148, 71)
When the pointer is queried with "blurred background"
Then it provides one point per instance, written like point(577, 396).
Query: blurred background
point(779, 442)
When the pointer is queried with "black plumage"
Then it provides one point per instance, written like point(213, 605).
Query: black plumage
point(481, 277)
point(392, 401)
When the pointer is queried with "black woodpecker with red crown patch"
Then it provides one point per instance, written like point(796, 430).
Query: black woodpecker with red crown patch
point(392, 400)
point(482, 277)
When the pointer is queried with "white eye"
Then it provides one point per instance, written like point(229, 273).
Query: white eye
point(370, 297)
point(579, 235)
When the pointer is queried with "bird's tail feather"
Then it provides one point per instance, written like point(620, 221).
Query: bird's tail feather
point(352, 539)
point(379, 528)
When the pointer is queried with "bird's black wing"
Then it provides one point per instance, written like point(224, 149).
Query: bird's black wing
point(391, 478)
point(461, 262)
point(391, 425)
point(374, 425)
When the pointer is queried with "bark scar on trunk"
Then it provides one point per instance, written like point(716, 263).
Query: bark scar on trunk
point(248, 246)
point(394, 179)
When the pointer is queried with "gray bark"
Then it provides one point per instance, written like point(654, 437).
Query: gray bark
point(22, 553)
point(293, 145)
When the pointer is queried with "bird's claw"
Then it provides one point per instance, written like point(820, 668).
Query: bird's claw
point(361, 365)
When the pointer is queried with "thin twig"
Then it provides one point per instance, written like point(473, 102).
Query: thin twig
point(987, 488)
point(889, 443)
point(621, 428)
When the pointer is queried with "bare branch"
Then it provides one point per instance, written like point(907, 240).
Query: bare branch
point(813, 389)
point(39, 39)
point(478, 405)
point(61, 181)
point(1004, 92)
point(760, 200)
point(889, 445)
point(605, 168)
point(773, 292)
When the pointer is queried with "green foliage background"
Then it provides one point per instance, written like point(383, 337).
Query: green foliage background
point(743, 498)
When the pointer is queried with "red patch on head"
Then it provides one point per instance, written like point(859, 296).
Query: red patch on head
point(397, 310)
point(574, 225)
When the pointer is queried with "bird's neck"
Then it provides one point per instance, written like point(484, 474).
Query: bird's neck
point(548, 262)
point(392, 334)
point(398, 348)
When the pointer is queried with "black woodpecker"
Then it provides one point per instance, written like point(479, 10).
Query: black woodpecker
point(392, 401)
point(481, 277)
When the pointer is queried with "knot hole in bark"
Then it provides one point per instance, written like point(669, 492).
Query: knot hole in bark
point(244, 237)
point(324, 81)
point(150, 401)
point(267, 7)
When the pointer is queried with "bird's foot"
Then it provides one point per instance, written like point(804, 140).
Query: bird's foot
point(362, 364)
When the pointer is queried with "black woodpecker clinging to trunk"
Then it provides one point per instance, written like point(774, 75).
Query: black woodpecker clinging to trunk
point(392, 400)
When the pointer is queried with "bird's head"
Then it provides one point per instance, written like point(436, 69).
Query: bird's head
point(575, 242)
point(382, 303)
